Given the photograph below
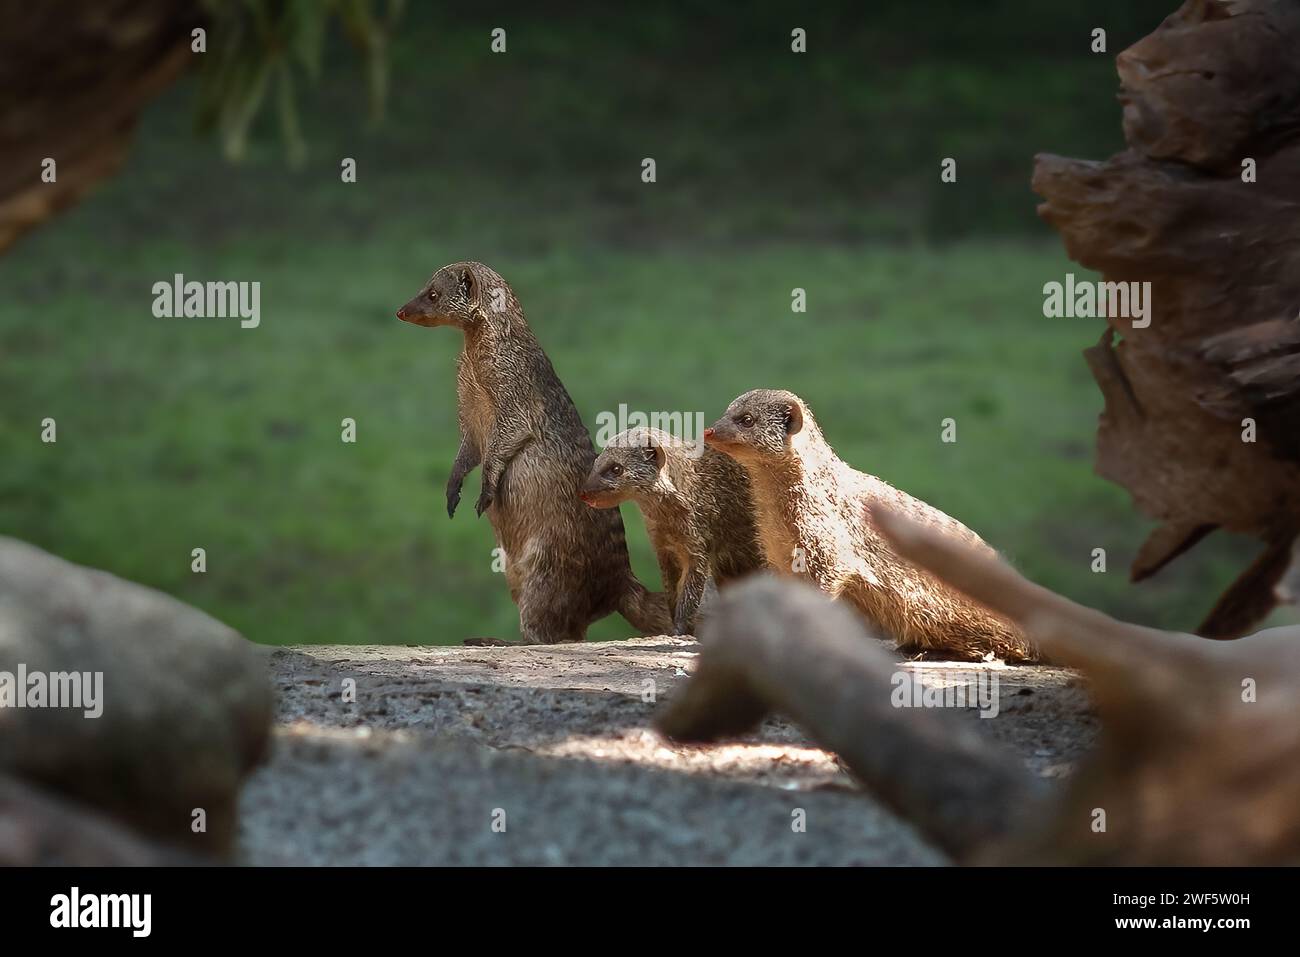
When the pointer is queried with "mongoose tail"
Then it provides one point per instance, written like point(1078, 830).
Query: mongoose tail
point(649, 612)
point(1068, 633)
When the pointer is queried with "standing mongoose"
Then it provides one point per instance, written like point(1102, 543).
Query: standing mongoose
point(697, 508)
point(811, 511)
point(566, 564)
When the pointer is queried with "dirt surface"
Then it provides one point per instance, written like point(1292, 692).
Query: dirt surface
point(544, 755)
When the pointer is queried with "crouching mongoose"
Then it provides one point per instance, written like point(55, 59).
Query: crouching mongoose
point(566, 564)
point(811, 510)
point(697, 507)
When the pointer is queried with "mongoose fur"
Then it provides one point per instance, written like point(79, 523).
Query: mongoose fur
point(697, 507)
point(811, 509)
point(566, 564)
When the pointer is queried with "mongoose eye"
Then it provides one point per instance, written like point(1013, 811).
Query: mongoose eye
point(616, 470)
point(745, 421)
point(433, 295)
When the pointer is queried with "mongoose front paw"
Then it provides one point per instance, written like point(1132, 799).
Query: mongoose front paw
point(484, 500)
point(453, 499)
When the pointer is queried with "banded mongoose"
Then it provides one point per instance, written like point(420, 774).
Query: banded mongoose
point(697, 507)
point(811, 512)
point(566, 564)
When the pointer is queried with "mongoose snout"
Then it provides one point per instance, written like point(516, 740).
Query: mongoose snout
point(411, 313)
point(629, 464)
point(595, 490)
point(720, 438)
point(453, 296)
point(758, 424)
point(598, 499)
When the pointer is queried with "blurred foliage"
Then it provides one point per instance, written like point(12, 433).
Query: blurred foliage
point(258, 45)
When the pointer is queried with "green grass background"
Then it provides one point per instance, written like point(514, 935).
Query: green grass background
point(774, 171)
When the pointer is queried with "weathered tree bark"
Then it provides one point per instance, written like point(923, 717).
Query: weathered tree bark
point(1215, 86)
point(1198, 762)
point(73, 79)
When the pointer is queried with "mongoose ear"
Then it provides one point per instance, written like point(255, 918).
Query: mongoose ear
point(654, 455)
point(468, 285)
point(793, 418)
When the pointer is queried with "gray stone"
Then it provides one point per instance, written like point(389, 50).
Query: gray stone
point(185, 702)
point(38, 829)
point(413, 768)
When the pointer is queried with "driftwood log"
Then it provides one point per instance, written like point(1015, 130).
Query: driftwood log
point(1205, 205)
point(1198, 762)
